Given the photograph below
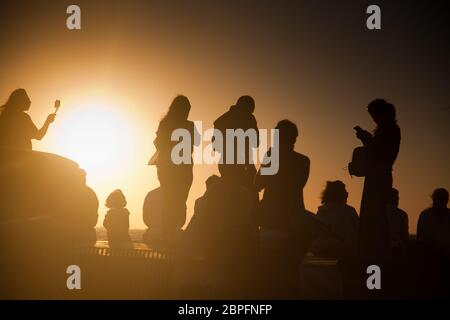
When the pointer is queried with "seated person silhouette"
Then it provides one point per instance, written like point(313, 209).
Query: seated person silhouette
point(434, 224)
point(222, 234)
point(153, 219)
point(16, 127)
point(283, 192)
point(222, 227)
point(89, 214)
point(200, 221)
point(117, 219)
point(342, 220)
point(239, 116)
point(397, 220)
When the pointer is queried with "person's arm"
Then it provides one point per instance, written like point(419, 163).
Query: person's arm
point(363, 135)
point(39, 134)
point(260, 180)
point(255, 127)
point(304, 174)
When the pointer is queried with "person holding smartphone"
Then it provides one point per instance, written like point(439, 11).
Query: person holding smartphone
point(16, 127)
point(382, 148)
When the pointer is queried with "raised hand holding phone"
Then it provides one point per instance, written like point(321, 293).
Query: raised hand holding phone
point(51, 117)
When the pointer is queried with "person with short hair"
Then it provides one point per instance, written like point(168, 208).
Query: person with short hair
point(283, 192)
point(434, 223)
point(397, 220)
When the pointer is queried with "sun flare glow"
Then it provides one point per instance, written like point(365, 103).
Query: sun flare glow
point(97, 137)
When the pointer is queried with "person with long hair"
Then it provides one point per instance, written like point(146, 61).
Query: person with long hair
point(16, 127)
point(175, 179)
point(381, 149)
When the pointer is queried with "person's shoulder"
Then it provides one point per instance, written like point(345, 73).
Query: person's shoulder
point(402, 213)
point(219, 121)
point(190, 125)
point(22, 116)
point(351, 209)
point(425, 213)
point(322, 209)
point(301, 158)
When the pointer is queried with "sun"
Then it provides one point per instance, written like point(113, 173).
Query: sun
point(96, 136)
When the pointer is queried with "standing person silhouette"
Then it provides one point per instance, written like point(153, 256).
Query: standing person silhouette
point(381, 150)
point(16, 127)
point(239, 116)
point(175, 179)
point(283, 192)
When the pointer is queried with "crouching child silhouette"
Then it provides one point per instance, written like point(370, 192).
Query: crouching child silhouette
point(117, 219)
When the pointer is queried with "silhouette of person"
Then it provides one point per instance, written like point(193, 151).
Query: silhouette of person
point(175, 179)
point(89, 214)
point(434, 224)
point(382, 149)
point(239, 116)
point(342, 220)
point(153, 217)
point(16, 127)
point(202, 221)
point(397, 219)
point(223, 231)
point(117, 219)
point(283, 192)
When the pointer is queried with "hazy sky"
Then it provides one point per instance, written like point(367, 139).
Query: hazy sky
point(313, 62)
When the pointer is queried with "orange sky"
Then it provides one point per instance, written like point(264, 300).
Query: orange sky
point(314, 64)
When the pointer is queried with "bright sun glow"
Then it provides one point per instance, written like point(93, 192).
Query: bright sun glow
point(97, 137)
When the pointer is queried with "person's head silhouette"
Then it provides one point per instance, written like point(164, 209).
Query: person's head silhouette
point(212, 180)
point(116, 200)
point(17, 101)
point(334, 193)
point(246, 104)
point(288, 134)
point(382, 112)
point(179, 108)
point(440, 198)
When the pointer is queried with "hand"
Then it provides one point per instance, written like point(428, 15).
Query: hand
point(361, 134)
point(51, 118)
